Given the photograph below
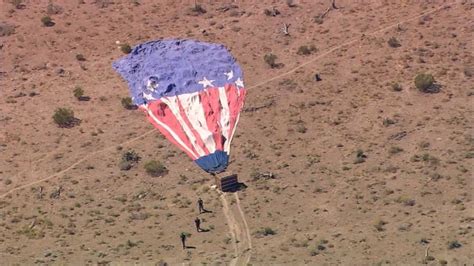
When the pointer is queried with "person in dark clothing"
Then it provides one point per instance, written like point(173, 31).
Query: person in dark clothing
point(317, 77)
point(183, 240)
point(197, 221)
point(201, 206)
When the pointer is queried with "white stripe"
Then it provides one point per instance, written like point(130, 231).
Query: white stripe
point(193, 109)
point(227, 148)
point(172, 103)
point(172, 133)
point(225, 118)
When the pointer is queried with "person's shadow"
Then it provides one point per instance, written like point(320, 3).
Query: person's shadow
point(206, 211)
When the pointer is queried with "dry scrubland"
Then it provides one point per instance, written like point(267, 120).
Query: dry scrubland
point(361, 168)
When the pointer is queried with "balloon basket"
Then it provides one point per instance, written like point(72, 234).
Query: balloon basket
point(227, 183)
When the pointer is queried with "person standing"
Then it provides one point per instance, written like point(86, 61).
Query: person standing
point(183, 239)
point(197, 221)
point(201, 206)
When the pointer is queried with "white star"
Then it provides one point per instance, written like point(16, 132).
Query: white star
point(152, 85)
point(206, 83)
point(230, 75)
point(239, 83)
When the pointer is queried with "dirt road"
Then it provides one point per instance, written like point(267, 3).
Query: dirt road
point(239, 229)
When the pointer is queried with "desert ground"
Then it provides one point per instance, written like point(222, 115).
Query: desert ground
point(360, 168)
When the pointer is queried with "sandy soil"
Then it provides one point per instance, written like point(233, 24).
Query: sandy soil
point(405, 200)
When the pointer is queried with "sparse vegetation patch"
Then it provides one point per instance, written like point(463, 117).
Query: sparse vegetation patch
point(426, 83)
point(155, 168)
point(47, 21)
point(306, 50)
point(64, 117)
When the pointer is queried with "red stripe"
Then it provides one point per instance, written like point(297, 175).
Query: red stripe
point(199, 140)
point(212, 111)
point(163, 113)
point(235, 98)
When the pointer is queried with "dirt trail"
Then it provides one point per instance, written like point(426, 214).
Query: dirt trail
point(239, 230)
point(84, 158)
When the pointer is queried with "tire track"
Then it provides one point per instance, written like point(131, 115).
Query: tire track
point(239, 231)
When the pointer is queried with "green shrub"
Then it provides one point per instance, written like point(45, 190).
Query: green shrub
point(64, 117)
point(424, 82)
point(78, 92)
point(393, 42)
point(47, 21)
point(270, 59)
point(155, 168)
point(80, 57)
point(387, 122)
point(271, 12)
point(306, 50)
point(128, 104)
point(126, 48)
point(266, 231)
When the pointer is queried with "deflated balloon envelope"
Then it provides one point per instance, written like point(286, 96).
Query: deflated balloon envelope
point(191, 91)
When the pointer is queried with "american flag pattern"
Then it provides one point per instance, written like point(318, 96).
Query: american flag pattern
point(192, 92)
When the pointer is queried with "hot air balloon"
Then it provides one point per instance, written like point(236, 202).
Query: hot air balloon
point(191, 91)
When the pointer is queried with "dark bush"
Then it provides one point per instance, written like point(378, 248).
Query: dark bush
point(80, 57)
point(129, 159)
point(425, 83)
point(78, 92)
point(128, 104)
point(64, 117)
point(266, 232)
point(360, 157)
point(271, 12)
point(306, 50)
point(47, 21)
point(270, 59)
point(393, 42)
point(454, 244)
point(155, 168)
point(125, 48)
